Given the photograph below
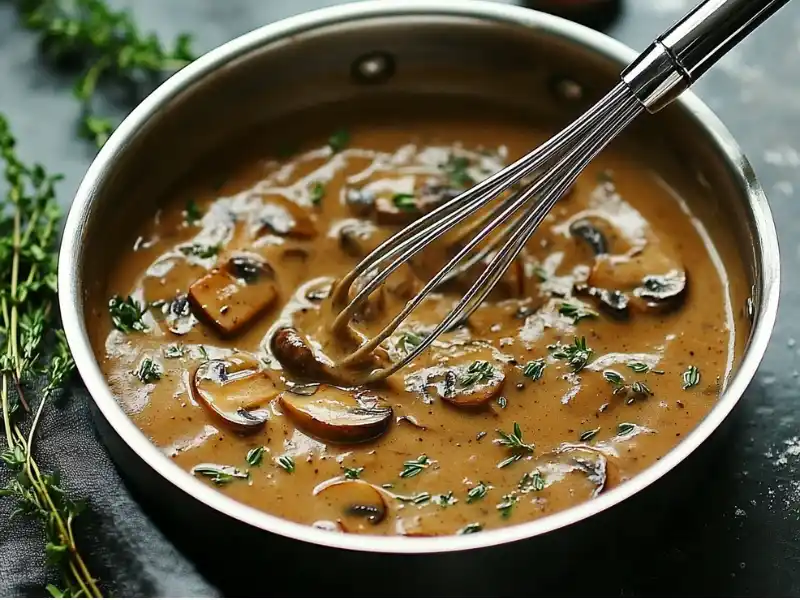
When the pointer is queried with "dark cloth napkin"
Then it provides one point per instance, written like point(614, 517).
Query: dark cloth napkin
point(123, 548)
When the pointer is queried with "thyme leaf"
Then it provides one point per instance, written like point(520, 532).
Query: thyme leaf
point(691, 377)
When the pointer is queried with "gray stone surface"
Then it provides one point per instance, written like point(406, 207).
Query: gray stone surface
point(738, 532)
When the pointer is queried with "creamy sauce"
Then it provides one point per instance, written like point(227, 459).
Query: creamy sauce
point(419, 454)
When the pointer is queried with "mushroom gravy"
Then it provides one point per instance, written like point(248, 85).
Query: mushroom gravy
point(606, 341)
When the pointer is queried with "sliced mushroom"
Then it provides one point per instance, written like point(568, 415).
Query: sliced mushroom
point(237, 389)
point(612, 302)
point(587, 231)
point(360, 201)
point(356, 505)
point(179, 317)
point(403, 208)
point(648, 279)
point(233, 296)
point(328, 526)
point(469, 385)
point(663, 292)
point(400, 209)
point(295, 354)
point(283, 217)
point(572, 472)
point(337, 415)
point(357, 237)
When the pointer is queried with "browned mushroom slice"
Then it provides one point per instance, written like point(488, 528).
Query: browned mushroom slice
point(237, 389)
point(360, 201)
point(593, 235)
point(295, 354)
point(662, 292)
point(469, 385)
point(651, 279)
point(179, 317)
point(356, 506)
point(232, 296)
point(573, 471)
point(339, 416)
point(399, 209)
point(281, 216)
point(612, 302)
point(358, 238)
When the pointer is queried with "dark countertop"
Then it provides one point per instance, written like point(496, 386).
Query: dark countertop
point(737, 532)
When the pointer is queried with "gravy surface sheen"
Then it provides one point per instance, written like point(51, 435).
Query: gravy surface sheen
point(605, 343)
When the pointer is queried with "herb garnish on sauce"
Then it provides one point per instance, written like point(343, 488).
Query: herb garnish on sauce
point(148, 370)
point(412, 468)
point(126, 314)
point(477, 493)
point(255, 456)
point(691, 377)
point(286, 463)
point(352, 472)
point(219, 474)
point(576, 354)
point(339, 140)
point(534, 369)
point(513, 442)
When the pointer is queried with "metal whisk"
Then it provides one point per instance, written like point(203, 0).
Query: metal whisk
point(658, 76)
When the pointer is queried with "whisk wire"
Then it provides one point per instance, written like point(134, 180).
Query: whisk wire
point(557, 164)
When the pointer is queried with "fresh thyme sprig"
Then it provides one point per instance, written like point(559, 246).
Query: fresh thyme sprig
point(107, 47)
point(28, 218)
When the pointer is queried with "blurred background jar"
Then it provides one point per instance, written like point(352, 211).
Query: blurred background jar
point(598, 14)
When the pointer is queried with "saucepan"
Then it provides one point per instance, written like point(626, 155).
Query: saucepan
point(514, 57)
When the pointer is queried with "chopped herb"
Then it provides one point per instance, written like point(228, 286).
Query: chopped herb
point(471, 528)
point(456, 169)
point(192, 212)
point(576, 354)
point(477, 493)
point(286, 463)
point(148, 370)
point(477, 372)
point(126, 314)
point(625, 428)
point(532, 482)
point(691, 377)
point(540, 273)
point(404, 201)
point(589, 435)
point(201, 250)
point(638, 367)
point(420, 498)
point(502, 402)
point(613, 378)
point(575, 312)
point(445, 500)
point(218, 474)
point(640, 388)
point(203, 352)
point(513, 442)
point(352, 473)
point(534, 369)
point(410, 340)
point(412, 468)
point(339, 140)
point(316, 192)
point(255, 455)
point(509, 500)
point(174, 351)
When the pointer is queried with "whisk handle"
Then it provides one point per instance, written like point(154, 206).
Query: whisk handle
point(683, 53)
